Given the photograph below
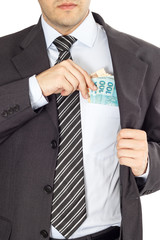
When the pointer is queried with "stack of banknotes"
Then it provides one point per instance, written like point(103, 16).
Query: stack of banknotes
point(106, 90)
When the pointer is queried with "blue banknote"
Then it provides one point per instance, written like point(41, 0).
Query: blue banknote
point(106, 91)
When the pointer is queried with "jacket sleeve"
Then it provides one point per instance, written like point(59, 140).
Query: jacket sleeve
point(15, 107)
point(152, 127)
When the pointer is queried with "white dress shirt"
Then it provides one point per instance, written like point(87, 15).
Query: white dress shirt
point(100, 125)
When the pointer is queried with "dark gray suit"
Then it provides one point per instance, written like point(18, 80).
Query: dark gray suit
point(27, 150)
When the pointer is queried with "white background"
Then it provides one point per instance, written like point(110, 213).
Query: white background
point(140, 18)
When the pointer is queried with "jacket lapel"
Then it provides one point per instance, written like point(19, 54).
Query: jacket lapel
point(129, 72)
point(33, 59)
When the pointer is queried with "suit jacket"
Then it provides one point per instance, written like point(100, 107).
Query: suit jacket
point(28, 139)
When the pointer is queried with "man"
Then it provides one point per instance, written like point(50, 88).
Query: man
point(70, 168)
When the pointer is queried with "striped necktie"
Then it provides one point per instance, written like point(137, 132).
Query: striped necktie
point(68, 204)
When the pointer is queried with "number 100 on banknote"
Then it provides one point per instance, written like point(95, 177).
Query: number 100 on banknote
point(106, 86)
point(106, 91)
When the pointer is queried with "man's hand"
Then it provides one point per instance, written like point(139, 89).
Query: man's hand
point(65, 78)
point(132, 150)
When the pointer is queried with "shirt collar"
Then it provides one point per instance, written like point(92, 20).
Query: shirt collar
point(85, 33)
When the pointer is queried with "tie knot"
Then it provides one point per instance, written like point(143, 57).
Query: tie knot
point(64, 43)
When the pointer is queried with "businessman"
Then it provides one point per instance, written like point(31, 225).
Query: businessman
point(70, 168)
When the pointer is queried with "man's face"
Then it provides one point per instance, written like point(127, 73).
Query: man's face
point(64, 14)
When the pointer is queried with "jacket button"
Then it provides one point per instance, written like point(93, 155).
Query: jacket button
point(44, 233)
point(11, 111)
point(48, 189)
point(4, 113)
point(54, 144)
point(16, 108)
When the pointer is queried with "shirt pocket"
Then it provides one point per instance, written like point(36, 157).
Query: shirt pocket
point(102, 110)
point(100, 126)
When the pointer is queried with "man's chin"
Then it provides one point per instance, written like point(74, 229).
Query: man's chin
point(69, 21)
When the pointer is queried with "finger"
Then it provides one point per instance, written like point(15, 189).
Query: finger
point(66, 88)
point(128, 153)
point(129, 162)
point(78, 75)
point(72, 80)
point(137, 167)
point(87, 77)
point(132, 133)
point(131, 144)
point(138, 155)
point(82, 80)
point(59, 90)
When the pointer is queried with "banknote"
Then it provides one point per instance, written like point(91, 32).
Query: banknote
point(100, 73)
point(106, 90)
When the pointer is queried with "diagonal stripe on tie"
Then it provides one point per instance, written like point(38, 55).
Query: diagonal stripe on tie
point(68, 204)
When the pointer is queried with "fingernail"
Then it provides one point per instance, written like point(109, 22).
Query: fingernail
point(95, 87)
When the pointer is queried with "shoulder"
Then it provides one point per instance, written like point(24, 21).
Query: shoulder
point(129, 42)
point(14, 37)
point(146, 51)
point(149, 47)
point(10, 44)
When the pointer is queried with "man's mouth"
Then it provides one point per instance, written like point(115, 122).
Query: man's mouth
point(67, 6)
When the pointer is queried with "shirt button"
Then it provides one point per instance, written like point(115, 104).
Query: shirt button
point(48, 189)
point(54, 144)
point(44, 233)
